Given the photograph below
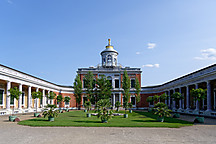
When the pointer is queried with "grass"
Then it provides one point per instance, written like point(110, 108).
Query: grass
point(79, 119)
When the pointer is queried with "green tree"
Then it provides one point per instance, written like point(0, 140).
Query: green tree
point(37, 95)
point(51, 95)
point(87, 105)
point(117, 105)
point(103, 110)
point(198, 95)
point(126, 90)
point(137, 92)
point(163, 97)
point(177, 96)
point(89, 85)
point(60, 100)
point(67, 99)
point(162, 110)
point(103, 88)
point(14, 94)
point(78, 91)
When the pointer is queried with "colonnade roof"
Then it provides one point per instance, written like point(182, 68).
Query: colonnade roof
point(181, 77)
point(35, 77)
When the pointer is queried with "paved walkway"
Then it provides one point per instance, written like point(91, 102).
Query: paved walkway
point(10, 132)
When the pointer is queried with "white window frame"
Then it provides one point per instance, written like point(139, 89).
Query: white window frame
point(3, 97)
point(131, 82)
point(135, 99)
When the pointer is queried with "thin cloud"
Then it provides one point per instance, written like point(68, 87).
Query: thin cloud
point(138, 53)
point(9, 1)
point(207, 54)
point(151, 45)
point(151, 65)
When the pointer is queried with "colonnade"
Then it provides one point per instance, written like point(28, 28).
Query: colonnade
point(187, 103)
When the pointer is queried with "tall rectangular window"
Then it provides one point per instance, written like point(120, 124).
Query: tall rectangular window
point(23, 98)
point(11, 100)
point(133, 83)
point(116, 83)
point(1, 96)
point(133, 100)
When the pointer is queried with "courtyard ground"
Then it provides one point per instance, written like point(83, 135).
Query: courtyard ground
point(11, 132)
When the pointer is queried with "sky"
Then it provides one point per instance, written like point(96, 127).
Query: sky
point(51, 39)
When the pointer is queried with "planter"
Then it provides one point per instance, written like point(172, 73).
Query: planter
point(104, 121)
point(160, 119)
point(125, 115)
point(130, 111)
point(67, 110)
point(60, 111)
point(88, 115)
point(199, 120)
point(50, 118)
point(85, 110)
point(12, 118)
point(36, 114)
point(176, 115)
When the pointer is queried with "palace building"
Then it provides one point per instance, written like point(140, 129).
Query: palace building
point(204, 78)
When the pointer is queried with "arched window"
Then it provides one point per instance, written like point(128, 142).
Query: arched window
point(109, 58)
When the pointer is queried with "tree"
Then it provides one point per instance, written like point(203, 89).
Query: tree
point(89, 83)
point(163, 97)
point(78, 91)
point(117, 105)
point(103, 110)
point(162, 111)
point(177, 96)
point(126, 89)
point(103, 88)
point(67, 99)
point(198, 95)
point(60, 99)
point(37, 95)
point(51, 95)
point(14, 94)
point(137, 92)
point(87, 105)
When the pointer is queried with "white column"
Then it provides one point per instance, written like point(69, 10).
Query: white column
point(187, 97)
point(29, 97)
point(120, 98)
point(113, 100)
point(166, 99)
point(8, 97)
point(49, 101)
point(20, 97)
point(43, 98)
point(37, 99)
point(174, 102)
point(169, 98)
point(208, 96)
point(180, 101)
point(197, 102)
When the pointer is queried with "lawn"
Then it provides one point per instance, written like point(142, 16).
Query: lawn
point(79, 119)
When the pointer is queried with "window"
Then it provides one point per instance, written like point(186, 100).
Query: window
point(132, 83)
point(84, 84)
point(133, 100)
point(84, 100)
point(109, 58)
point(116, 83)
point(11, 100)
point(110, 80)
point(41, 100)
point(23, 98)
point(1, 96)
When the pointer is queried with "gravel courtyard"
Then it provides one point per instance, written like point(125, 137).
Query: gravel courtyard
point(10, 133)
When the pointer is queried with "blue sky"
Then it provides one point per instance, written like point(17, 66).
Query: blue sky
point(50, 39)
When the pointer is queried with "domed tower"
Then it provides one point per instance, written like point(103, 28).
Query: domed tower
point(109, 56)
